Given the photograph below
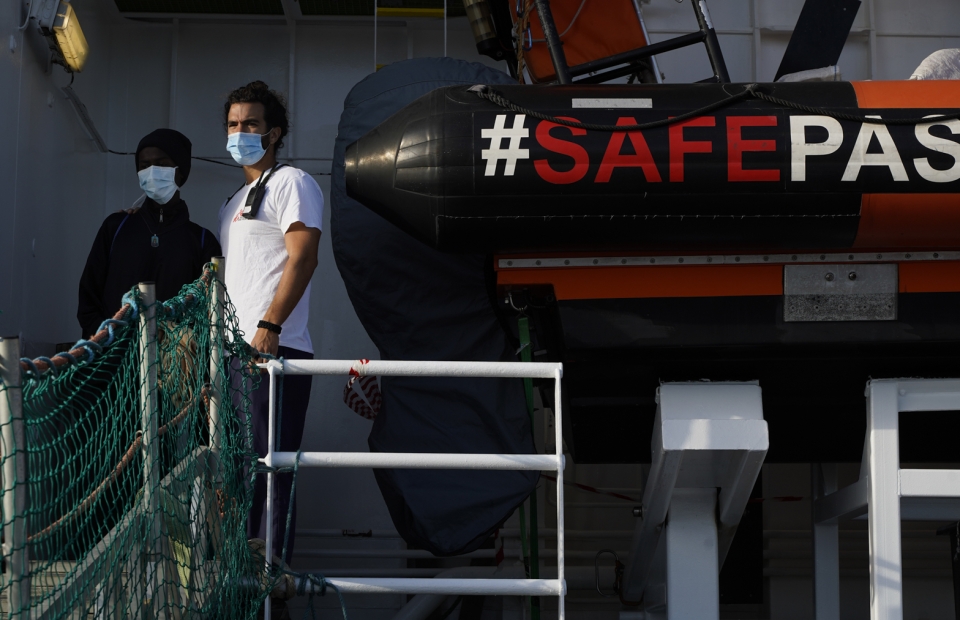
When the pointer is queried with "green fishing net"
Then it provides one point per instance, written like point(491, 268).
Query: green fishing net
point(135, 470)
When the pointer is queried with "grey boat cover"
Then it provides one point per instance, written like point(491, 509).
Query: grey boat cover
point(417, 303)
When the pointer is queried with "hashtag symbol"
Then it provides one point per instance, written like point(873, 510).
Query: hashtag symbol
point(512, 153)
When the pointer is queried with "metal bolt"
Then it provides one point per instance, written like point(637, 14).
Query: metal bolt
point(794, 257)
point(737, 259)
point(852, 275)
point(823, 257)
point(680, 260)
point(595, 261)
point(623, 261)
point(638, 512)
point(766, 258)
point(509, 263)
point(709, 259)
point(566, 262)
point(653, 260)
point(829, 277)
point(538, 262)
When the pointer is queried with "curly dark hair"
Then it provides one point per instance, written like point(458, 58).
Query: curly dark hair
point(274, 106)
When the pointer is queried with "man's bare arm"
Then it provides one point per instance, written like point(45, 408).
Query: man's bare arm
point(302, 247)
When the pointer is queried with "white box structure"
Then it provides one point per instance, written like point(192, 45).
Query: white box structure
point(886, 494)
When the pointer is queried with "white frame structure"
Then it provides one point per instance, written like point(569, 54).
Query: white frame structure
point(528, 462)
point(885, 493)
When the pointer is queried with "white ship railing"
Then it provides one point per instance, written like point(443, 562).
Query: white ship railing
point(399, 460)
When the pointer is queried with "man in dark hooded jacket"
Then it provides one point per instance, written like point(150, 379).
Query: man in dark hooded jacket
point(155, 243)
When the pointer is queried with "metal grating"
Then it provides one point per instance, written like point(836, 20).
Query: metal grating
point(238, 7)
point(365, 7)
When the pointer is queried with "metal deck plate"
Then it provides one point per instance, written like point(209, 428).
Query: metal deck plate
point(839, 292)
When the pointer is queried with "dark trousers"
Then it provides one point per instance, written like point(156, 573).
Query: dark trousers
point(288, 428)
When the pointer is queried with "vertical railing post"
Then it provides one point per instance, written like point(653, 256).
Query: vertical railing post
point(14, 480)
point(826, 547)
point(217, 298)
point(554, 45)
point(654, 67)
point(883, 509)
point(710, 41)
point(148, 429)
point(271, 477)
point(558, 437)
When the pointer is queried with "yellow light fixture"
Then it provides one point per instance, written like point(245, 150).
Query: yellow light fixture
point(58, 23)
point(70, 40)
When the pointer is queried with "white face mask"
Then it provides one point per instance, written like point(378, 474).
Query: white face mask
point(246, 148)
point(158, 183)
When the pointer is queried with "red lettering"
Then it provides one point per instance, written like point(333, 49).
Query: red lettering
point(581, 161)
point(613, 158)
point(679, 147)
point(737, 146)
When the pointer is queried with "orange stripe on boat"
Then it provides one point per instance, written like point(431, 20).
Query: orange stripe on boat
point(647, 282)
point(908, 94)
point(889, 221)
point(930, 277)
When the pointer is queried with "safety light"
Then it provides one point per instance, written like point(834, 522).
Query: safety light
point(58, 22)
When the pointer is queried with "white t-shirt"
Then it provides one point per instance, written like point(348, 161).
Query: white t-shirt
point(256, 253)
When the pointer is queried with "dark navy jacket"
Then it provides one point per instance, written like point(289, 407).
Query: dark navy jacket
point(122, 257)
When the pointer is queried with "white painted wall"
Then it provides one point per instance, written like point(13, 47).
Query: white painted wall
point(57, 188)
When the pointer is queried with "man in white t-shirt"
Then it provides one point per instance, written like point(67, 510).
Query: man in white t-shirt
point(270, 233)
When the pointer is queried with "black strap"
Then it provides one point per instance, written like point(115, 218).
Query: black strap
point(252, 205)
point(242, 185)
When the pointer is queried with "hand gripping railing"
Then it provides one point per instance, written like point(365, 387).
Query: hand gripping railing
point(531, 462)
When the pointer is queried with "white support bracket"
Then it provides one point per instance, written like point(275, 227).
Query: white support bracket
point(709, 442)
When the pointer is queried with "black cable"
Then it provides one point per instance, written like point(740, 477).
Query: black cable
point(212, 161)
point(856, 118)
point(750, 91)
point(485, 92)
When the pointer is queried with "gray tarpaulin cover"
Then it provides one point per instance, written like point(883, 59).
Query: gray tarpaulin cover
point(940, 65)
point(419, 304)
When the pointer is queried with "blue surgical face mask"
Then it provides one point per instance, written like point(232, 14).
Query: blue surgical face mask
point(158, 183)
point(246, 148)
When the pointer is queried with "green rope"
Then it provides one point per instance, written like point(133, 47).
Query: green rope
point(526, 355)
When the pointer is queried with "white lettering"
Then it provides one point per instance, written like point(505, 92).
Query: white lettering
point(940, 145)
point(512, 153)
point(800, 149)
point(888, 155)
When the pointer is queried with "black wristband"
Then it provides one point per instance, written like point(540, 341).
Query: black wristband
point(270, 327)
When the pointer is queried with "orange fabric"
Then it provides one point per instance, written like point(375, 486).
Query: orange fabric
point(643, 282)
point(908, 94)
point(604, 28)
point(892, 221)
point(928, 277)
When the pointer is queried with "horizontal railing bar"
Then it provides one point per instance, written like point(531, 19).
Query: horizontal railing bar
point(415, 460)
point(370, 534)
point(397, 368)
point(456, 587)
point(421, 554)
